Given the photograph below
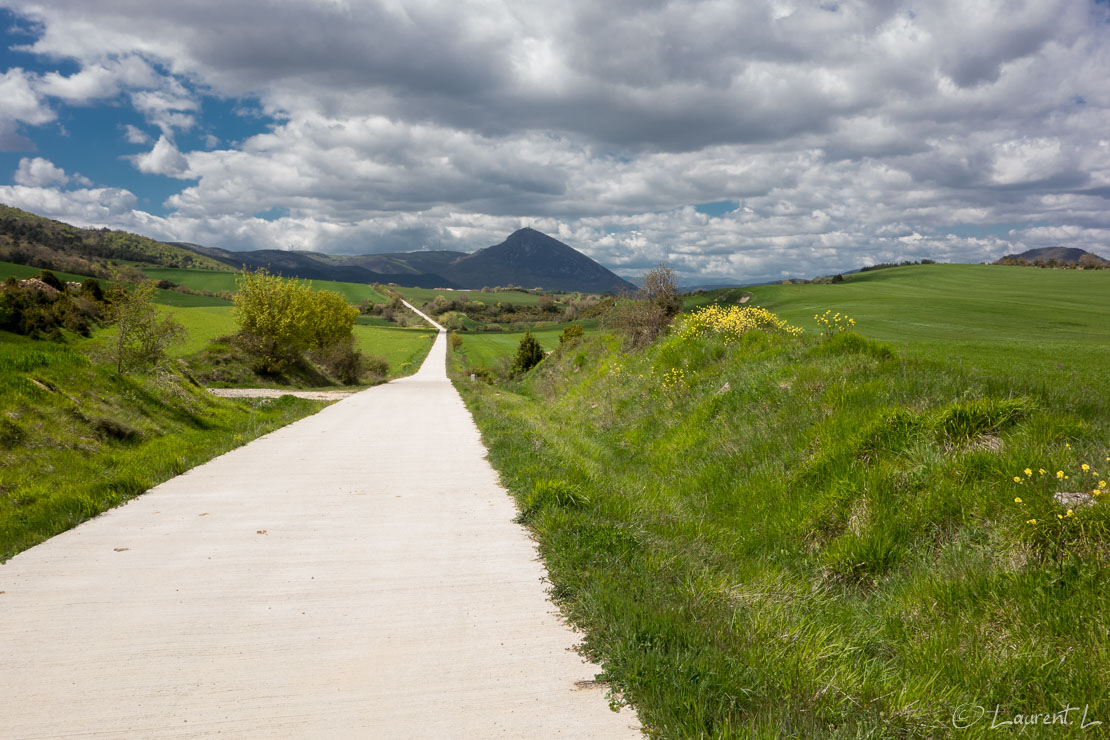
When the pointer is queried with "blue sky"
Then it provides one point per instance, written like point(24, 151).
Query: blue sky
point(732, 141)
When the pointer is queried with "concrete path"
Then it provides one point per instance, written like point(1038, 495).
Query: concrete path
point(355, 574)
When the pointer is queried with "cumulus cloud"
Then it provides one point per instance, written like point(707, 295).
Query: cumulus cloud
point(163, 159)
point(39, 172)
point(846, 133)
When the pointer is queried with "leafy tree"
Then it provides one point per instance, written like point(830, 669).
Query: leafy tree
point(142, 336)
point(280, 319)
point(528, 354)
point(647, 315)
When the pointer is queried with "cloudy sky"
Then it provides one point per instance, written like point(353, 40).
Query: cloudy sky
point(735, 141)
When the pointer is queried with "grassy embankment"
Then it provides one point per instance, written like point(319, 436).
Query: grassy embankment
point(799, 536)
point(78, 438)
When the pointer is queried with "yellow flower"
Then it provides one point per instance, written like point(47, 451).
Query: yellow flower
point(1059, 474)
point(1059, 516)
point(1070, 512)
point(1030, 521)
point(1017, 499)
point(1017, 479)
point(1102, 484)
point(1042, 471)
point(1086, 468)
point(1028, 473)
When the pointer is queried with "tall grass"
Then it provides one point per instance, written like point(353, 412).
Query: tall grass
point(807, 536)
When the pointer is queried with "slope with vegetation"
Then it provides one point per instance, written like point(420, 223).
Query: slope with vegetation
point(770, 532)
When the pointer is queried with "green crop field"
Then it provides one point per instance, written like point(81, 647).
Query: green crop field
point(164, 297)
point(1054, 324)
point(405, 349)
point(216, 282)
point(420, 296)
point(769, 535)
point(483, 349)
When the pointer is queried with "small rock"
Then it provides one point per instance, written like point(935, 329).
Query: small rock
point(1074, 499)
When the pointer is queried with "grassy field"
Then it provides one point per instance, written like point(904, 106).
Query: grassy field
point(405, 349)
point(419, 296)
point(778, 536)
point(216, 282)
point(164, 297)
point(76, 438)
point(484, 349)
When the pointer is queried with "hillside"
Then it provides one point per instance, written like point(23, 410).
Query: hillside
point(41, 242)
point(769, 535)
point(1055, 256)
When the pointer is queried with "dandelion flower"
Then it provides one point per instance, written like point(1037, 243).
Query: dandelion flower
point(1028, 473)
point(1059, 516)
point(1070, 512)
point(1017, 499)
point(1017, 479)
point(1059, 474)
point(1042, 471)
point(1030, 521)
point(1086, 468)
point(1102, 484)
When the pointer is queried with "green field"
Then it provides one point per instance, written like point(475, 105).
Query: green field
point(777, 536)
point(420, 296)
point(483, 349)
point(164, 297)
point(1054, 324)
point(405, 349)
point(217, 282)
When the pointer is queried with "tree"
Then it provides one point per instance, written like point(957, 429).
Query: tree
point(528, 354)
point(142, 337)
point(646, 315)
point(280, 319)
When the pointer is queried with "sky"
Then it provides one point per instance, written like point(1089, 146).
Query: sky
point(733, 141)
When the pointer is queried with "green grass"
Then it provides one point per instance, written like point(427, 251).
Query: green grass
point(164, 297)
point(420, 296)
point(225, 281)
point(405, 349)
point(484, 349)
point(809, 537)
point(76, 438)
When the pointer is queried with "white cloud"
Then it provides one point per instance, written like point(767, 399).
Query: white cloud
point(39, 172)
point(163, 159)
point(846, 133)
point(135, 135)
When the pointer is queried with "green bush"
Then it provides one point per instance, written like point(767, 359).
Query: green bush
point(529, 353)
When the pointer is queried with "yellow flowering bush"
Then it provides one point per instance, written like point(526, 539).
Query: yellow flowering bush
point(733, 322)
point(833, 323)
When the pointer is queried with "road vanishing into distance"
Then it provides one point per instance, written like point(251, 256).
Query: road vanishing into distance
point(354, 574)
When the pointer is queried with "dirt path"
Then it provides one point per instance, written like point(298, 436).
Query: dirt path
point(355, 574)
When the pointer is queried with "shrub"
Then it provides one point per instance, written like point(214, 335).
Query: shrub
point(377, 365)
point(455, 341)
point(342, 361)
point(528, 354)
point(570, 333)
point(52, 280)
point(280, 319)
point(142, 337)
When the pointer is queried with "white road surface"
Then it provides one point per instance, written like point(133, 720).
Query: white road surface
point(355, 574)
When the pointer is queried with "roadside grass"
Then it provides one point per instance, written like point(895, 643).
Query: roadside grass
point(216, 282)
point(780, 536)
point(78, 439)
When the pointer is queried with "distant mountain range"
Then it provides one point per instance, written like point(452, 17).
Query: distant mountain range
point(527, 258)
